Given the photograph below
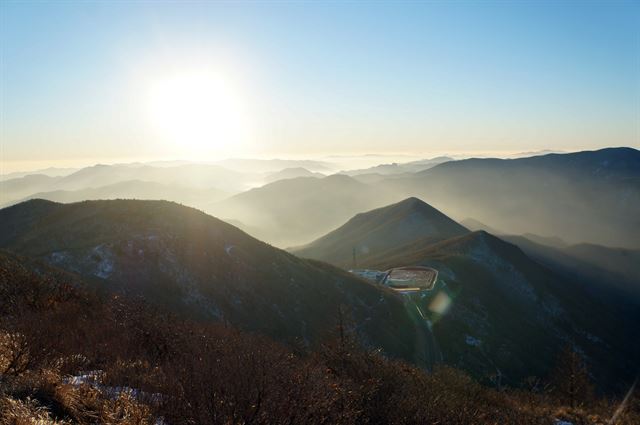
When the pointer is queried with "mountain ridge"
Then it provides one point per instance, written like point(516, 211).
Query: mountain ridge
point(540, 195)
point(495, 310)
point(379, 230)
point(188, 261)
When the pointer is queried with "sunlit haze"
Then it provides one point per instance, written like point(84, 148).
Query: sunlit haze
point(199, 112)
point(126, 81)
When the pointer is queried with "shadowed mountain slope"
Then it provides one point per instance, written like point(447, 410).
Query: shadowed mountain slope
point(69, 354)
point(384, 229)
point(494, 310)
point(599, 265)
point(195, 264)
point(507, 314)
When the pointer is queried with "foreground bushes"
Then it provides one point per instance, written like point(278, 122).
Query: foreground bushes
point(67, 356)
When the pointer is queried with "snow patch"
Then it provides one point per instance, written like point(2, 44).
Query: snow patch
point(472, 341)
point(104, 268)
point(91, 377)
point(593, 338)
point(94, 379)
point(59, 257)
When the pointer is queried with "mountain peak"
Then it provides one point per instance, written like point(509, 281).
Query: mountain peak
point(412, 201)
point(340, 178)
point(405, 209)
point(413, 204)
point(377, 231)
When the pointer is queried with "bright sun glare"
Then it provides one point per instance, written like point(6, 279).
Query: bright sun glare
point(200, 112)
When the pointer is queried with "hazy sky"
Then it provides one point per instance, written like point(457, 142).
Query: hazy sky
point(143, 80)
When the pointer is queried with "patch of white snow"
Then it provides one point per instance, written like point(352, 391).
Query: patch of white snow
point(472, 341)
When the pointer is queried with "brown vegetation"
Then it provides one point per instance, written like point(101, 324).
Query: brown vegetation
point(71, 356)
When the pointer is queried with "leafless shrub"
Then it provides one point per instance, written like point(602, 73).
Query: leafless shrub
point(15, 356)
point(152, 364)
point(25, 412)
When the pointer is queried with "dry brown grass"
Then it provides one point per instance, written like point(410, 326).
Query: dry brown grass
point(195, 373)
point(25, 412)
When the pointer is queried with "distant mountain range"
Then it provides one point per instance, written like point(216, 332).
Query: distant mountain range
point(399, 168)
point(194, 264)
point(247, 165)
point(136, 189)
point(290, 173)
point(192, 176)
point(473, 224)
point(51, 172)
point(580, 197)
point(584, 197)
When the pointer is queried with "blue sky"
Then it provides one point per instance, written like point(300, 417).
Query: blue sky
point(323, 77)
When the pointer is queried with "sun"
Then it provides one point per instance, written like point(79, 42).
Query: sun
point(199, 112)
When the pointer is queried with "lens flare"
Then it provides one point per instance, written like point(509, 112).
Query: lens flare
point(440, 303)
